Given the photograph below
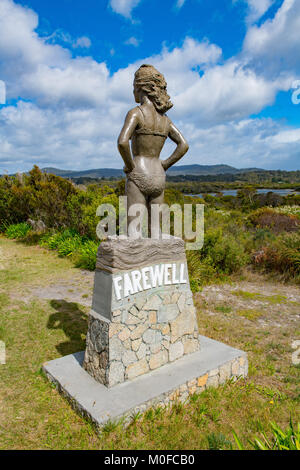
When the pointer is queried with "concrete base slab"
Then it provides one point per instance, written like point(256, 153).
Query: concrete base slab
point(212, 365)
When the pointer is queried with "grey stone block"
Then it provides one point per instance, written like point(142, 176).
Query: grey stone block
point(152, 336)
point(167, 313)
point(176, 350)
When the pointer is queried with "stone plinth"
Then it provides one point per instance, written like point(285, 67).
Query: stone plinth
point(143, 317)
point(210, 367)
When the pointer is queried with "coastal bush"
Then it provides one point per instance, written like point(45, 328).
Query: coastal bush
point(224, 251)
point(86, 256)
point(54, 201)
point(222, 254)
point(38, 196)
point(70, 243)
point(281, 255)
point(105, 195)
point(289, 210)
point(201, 272)
point(277, 222)
point(235, 230)
point(17, 230)
point(16, 202)
point(53, 240)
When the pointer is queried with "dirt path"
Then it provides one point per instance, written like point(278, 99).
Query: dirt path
point(41, 274)
point(267, 303)
point(79, 291)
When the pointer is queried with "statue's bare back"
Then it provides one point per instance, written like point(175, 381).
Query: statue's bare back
point(147, 127)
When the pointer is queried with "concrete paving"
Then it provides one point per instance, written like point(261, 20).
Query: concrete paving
point(102, 404)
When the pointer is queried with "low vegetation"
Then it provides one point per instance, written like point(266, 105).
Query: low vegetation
point(55, 213)
point(288, 439)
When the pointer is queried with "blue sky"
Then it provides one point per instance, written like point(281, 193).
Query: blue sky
point(68, 67)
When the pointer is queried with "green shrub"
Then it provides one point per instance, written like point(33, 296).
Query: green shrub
point(263, 235)
point(289, 210)
point(38, 196)
point(288, 439)
point(49, 196)
point(217, 441)
point(18, 230)
point(225, 252)
point(70, 243)
point(201, 272)
point(281, 255)
point(227, 247)
point(90, 221)
point(69, 246)
point(275, 221)
point(87, 255)
point(53, 240)
point(16, 202)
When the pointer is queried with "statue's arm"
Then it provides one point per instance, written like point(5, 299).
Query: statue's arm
point(129, 127)
point(181, 149)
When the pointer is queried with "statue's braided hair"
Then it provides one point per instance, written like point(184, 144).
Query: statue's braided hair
point(153, 83)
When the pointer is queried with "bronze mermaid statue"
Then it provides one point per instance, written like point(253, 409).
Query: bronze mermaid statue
point(147, 127)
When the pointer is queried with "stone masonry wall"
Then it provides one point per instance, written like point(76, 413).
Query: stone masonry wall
point(231, 370)
point(151, 331)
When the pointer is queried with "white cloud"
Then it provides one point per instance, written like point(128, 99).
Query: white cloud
point(274, 46)
point(60, 35)
point(222, 92)
point(180, 3)
point(287, 137)
point(77, 107)
point(80, 82)
point(22, 51)
point(257, 8)
point(83, 42)
point(181, 65)
point(34, 69)
point(249, 143)
point(190, 55)
point(124, 7)
point(227, 92)
point(74, 139)
point(70, 138)
point(132, 42)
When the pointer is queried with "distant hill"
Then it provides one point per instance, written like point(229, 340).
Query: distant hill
point(173, 171)
point(207, 170)
point(97, 173)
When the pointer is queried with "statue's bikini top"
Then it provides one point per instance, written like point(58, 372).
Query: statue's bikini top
point(146, 131)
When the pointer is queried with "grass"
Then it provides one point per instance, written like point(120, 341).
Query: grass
point(223, 308)
point(33, 415)
point(18, 230)
point(67, 243)
point(273, 299)
point(282, 439)
point(250, 314)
